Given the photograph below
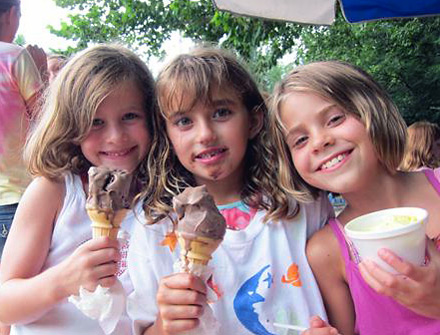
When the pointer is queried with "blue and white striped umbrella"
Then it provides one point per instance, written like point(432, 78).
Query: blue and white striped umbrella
point(323, 11)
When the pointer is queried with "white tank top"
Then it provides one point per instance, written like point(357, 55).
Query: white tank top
point(71, 229)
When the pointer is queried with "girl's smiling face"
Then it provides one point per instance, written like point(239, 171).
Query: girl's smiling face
point(330, 148)
point(210, 139)
point(119, 137)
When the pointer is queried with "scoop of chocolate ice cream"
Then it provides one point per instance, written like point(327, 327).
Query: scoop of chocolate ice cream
point(198, 215)
point(109, 189)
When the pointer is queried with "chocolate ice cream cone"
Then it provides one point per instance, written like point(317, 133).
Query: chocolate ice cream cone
point(108, 200)
point(197, 250)
point(102, 225)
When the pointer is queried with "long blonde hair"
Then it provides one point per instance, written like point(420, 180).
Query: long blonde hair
point(71, 101)
point(418, 151)
point(195, 75)
point(356, 92)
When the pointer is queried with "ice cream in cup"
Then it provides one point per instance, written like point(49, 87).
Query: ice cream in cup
point(401, 230)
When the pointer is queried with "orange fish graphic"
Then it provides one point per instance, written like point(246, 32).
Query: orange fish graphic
point(170, 241)
point(292, 276)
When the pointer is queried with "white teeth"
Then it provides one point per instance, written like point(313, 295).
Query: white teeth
point(210, 154)
point(333, 162)
point(117, 154)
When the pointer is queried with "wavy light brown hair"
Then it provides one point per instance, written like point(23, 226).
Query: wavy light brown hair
point(357, 93)
point(70, 105)
point(196, 75)
point(418, 151)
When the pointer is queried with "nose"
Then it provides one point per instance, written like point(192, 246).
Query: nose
point(116, 133)
point(322, 139)
point(206, 133)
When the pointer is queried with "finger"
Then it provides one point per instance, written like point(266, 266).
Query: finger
point(102, 256)
point(181, 312)
point(400, 265)
point(103, 242)
point(321, 331)
point(316, 322)
point(179, 326)
point(107, 281)
point(167, 296)
point(374, 275)
point(185, 281)
point(105, 270)
point(433, 252)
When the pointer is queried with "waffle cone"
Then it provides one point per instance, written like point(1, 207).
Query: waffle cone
point(103, 226)
point(197, 250)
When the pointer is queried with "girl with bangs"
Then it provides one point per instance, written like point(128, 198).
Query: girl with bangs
point(345, 135)
point(98, 112)
point(214, 132)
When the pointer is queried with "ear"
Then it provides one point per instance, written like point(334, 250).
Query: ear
point(10, 14)
point(256, 122)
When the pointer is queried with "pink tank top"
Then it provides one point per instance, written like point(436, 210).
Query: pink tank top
point(377, 314)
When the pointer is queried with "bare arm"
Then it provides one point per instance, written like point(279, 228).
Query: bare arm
point(40, 60)
point(328, 267)
point(27, 248)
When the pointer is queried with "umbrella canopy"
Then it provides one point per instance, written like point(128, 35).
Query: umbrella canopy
point(323, 11)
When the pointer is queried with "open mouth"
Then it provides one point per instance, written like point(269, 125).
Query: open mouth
point(116, 154)
point(211, 153)
point(335, 160)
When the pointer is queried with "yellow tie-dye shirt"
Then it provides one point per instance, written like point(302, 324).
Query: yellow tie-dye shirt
point(19, 82)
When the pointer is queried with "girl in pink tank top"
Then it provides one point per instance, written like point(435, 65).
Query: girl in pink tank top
point(345, 135)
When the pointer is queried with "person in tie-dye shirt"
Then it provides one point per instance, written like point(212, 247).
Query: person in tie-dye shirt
point(20, 82)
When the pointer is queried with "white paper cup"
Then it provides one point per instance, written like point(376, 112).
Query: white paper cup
point(388, 229)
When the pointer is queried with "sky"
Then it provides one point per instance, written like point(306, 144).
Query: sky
point(37, 14)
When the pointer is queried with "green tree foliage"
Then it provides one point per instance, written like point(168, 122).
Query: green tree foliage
point(20, 40)
point(404, 55)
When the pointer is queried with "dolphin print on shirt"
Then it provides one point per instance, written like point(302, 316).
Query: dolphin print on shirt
point(244, 302)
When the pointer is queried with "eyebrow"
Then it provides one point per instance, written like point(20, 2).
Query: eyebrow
point(214, 103)
point(176, 114)
point(223, 102)
point(320, 113)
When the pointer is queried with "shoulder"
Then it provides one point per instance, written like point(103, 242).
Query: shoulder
point(323, 250)
point(40, 184)
point(320, 207)
point(317, 213)
point(43, 192)
point(10, 49)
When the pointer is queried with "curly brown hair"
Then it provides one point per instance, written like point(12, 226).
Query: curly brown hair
point(195, 75)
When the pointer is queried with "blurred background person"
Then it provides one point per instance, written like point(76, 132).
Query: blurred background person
point(54, 64)
point(423, 147)
point(21, 79)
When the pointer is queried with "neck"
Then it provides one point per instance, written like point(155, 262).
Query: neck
point(384, 190)
point(224, 191)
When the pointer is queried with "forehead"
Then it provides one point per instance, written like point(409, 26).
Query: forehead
point(185, 99)
point(54, 63)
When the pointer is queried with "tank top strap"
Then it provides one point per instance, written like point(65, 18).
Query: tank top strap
point(348, 249)
point(433, 177)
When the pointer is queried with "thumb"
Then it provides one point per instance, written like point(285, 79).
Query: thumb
point(433, 251)
point(317, 322)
